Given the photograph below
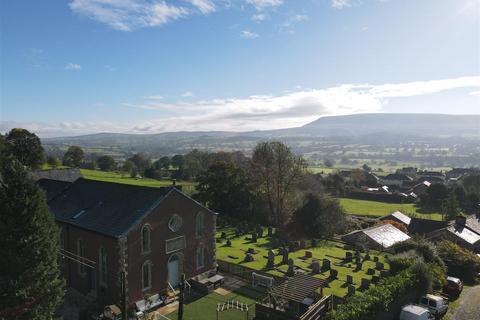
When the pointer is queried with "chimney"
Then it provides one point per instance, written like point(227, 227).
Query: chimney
point(174, 182)
point(460, 221)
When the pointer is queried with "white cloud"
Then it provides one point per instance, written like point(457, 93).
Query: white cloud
point(260, 112)
point(154, 97)
point(127, 15)
point(188, 94)
point(340, 4)
point(259, 17)
point(249, 34)
point(73, 66)
point(205, 6)
point(289, 24)
point(475, 93)
point(261, 4)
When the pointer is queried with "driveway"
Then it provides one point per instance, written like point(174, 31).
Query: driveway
point(469, 308)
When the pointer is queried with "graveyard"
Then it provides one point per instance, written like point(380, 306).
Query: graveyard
point(343, 269)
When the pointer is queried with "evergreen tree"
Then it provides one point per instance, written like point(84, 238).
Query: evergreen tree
point(450, 207)
point(30, 284)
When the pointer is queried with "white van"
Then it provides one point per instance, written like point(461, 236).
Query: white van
point(415, 312)
point(437, 305)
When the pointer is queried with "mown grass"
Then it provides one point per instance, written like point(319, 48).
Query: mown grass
point(333, 251)
point(187, 186)
point(377, 209)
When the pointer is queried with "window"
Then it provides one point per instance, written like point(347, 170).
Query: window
point(200, 256)
point(199, 223)
point(146, 239)
point(81, 253)
point(146, 275)
point(102, 259)
point(175, 223)
point(175, 244)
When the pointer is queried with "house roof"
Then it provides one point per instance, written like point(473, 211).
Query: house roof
point(386, 235)
point(398, 176)
point(473, 223)
point(424, 226)
point(464, 233)
point(399, 216)
point(52, 188)
point(105, 207)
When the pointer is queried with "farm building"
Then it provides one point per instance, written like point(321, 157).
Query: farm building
point(463, 231)
point(397, 216)
point(148, 235)
point(377, 237)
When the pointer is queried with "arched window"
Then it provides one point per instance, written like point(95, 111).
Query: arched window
point(81, 252)
point(200, 256)
point(102, 260)
point(199, 223)
point(146, 275)
point(146, 239)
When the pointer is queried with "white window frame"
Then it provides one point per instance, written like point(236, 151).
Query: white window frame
point(146, 227)
point(200, 248)
point(174, 239)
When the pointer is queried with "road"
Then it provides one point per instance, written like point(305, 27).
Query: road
point(469, 308)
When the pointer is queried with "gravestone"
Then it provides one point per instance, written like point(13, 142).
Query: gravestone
point(254, 237)
point(325, 265)
point(348, 256)
point(365, 283)
point(314, 243)
point(308, 254)
point(375, 279)
point(290, 270)
point(370, 271)
point(315, 267)
point(358, 260)
point(351, 290)
point(248, 257)
point(229, 243)
point(358, 266)
point(379, 266)
point(349, 279)
point(223, 235)
point(271, 259)
point(270, 231)
point(259, 231)
point(284, 255)
point(375, 259)
point(251, 250)
point(219, 240)
point(384, 273)
point(333, 274)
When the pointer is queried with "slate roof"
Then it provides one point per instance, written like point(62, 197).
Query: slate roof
point(53, 188)
point(398, 176)
point(399, 216)
point(424, 226)
point(105, 207)
point(473, 223)
point(386, 235)
point(465, 234)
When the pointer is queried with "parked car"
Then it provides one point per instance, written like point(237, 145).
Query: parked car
point(453, 287)
point(415, 312)
point(437, 305)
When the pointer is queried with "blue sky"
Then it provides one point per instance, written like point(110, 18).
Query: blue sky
point(82, 66)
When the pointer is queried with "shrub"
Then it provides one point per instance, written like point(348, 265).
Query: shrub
point(396, 224)
point(460, 262)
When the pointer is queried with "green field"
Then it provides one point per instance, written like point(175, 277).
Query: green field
point(333, 251)
point(377, 209)
point(187, 186)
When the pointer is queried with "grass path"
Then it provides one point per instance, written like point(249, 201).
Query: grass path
point(377, 209)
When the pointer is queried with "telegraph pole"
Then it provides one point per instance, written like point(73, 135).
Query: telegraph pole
point(180, 301)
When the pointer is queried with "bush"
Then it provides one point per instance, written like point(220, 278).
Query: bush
point(460, 262)
point(396, 224)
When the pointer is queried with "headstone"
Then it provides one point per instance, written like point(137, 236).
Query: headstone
point(367, 257)
point(271, 259)
point(248, 257)
point(348, 256)
point(384, 273)
point(315, 267)
point(370, 271)
point(325, 265)
point(229, 243)
point(365, 283)
point(379, 266)
point(270, 231)
point(351, 290)
point(254, 237)
point(302, 244)
point(284, 256)
point(251, 250)
point(291, 270)
point(358, 266)
point(259, 231)
point(308, 254)
point(333, 274)
point(349, 279)
point(314, 243)
point(237, 232)
point(224, 235)
point(358, 260)
point(375, 279)
point(219, 240)
point(375, 259)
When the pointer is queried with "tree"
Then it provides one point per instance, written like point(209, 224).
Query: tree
point(226, 188)
point(276, 170)
point(53, 161)
point(435, 195)
point(31, 284)
point(329, 163)
point(450, 208)
point(178, 161)
point(320, 216)
point(366, 167)
point(164, 163)
point(25, 147)
point(140, 162)
point(128, 166)
point(106, 163)
point(73, 157)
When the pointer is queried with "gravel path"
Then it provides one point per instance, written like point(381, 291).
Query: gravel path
point(469, 308)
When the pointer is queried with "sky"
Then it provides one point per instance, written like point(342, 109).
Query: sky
point(147, 66)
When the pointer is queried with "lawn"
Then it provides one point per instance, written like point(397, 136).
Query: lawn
point(187, 186)
point(333, 251)
point(205, 308)
point(377, 209)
